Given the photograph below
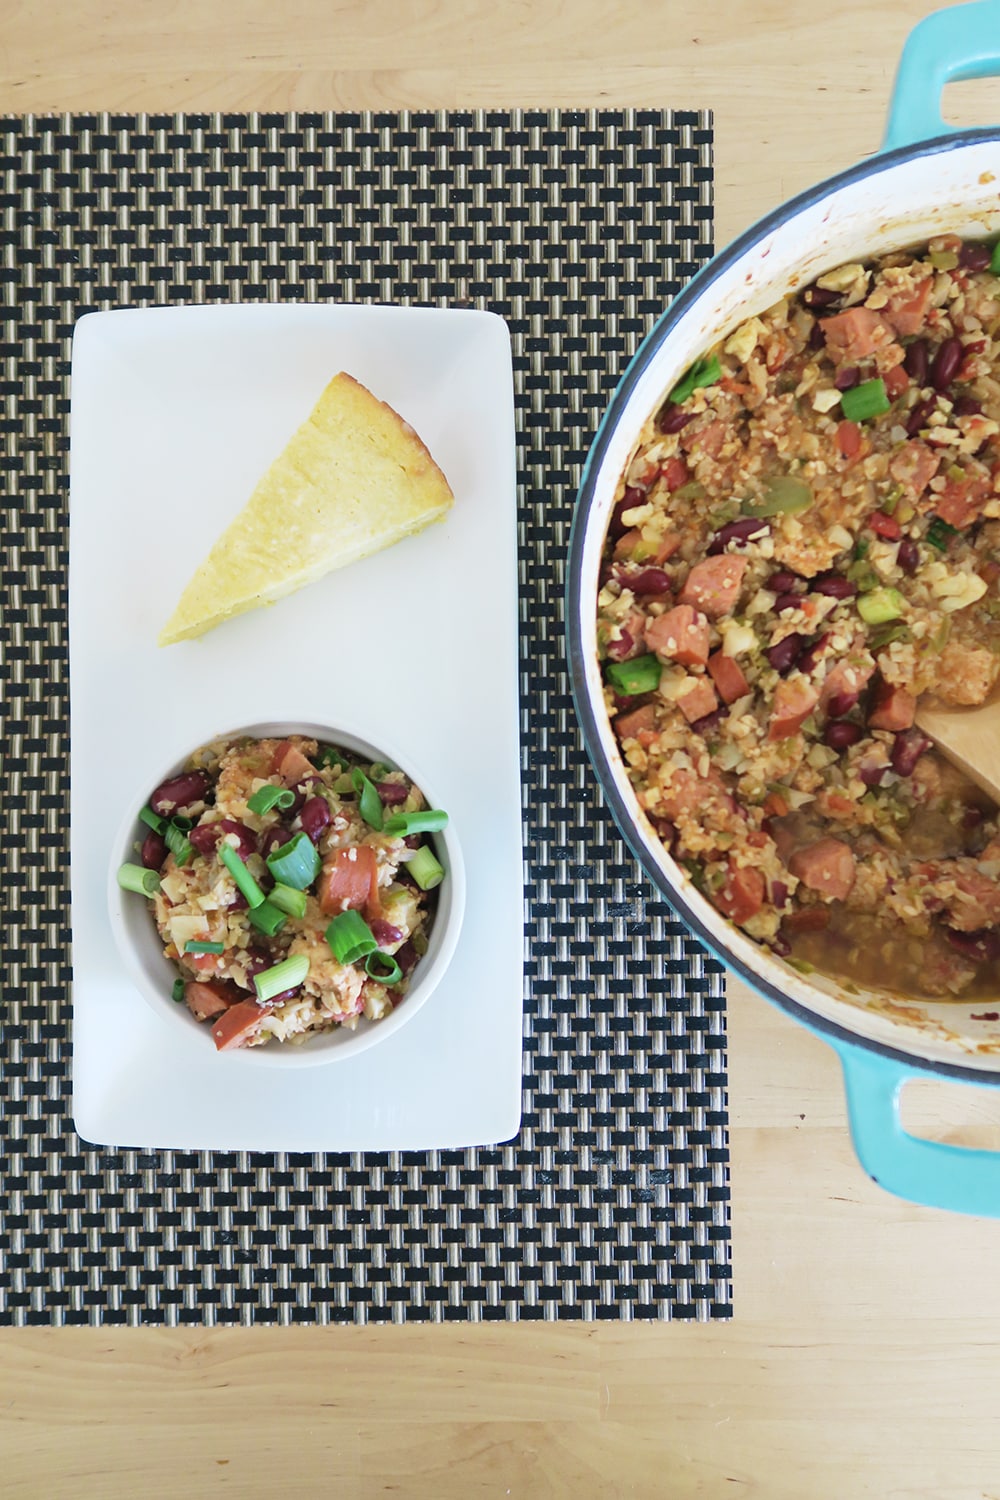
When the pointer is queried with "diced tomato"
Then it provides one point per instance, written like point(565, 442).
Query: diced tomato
point(826, 866)
point(682, 634)
point(290, 764)
point(794, 700)
point(727, 674)
point(741, 894)
point(775, 805)
point(849, 439)
point(237, 1025)
point(714, 585)
point(628, 725)
point(896, 381)
point(675, 473)
point(349, 882)
point(885, 526)
point(698, 699)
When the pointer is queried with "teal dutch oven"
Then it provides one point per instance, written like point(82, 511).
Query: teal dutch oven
point(928, 179)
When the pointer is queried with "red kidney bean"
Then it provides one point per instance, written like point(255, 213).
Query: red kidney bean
point(623, 647)
point(839, 705)
point(916, 362)
point(384, 932)
point(784, 582)
point(280, 999)
point(816, 337)
point(616, 526)
point(672, 418)
point(238, 903)
point(709, 722)
point(908, 556)
point(981, 947)
point(871, 774)
point(780, 945)
point(737, 531)
point(786, 653)
point(255, 961)
point(834, 586)
point(810, 659)
point(779, 893)
point(845, 380)
point(920, 415)
point(407, 957)
point(179, 791)
point(392, 793)
point(154, 851)
point(314, 817)
point(908, 746)
point(819, 296)
point(413, 840)
point(205, 837)
point(947, 362)
point(974, 257)
point(647, 581)
point(274, 838)
point(841, 734)
point(787, 601)
point(973, 817)
point(967, 406)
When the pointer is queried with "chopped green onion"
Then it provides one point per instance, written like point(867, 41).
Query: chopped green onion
point(267, 918)
point(177, 993)
point(383, 968)
point(369, 801)
point(152, 820)
point(691, 491)
point(135, 878)
point(703, 372)
point(296, 863)
point(425, 869)
point(287, 975)
point(864, 576)
point(884, 635)
point(432, 820)
point(784, 495)
point(291, 901)
point(640, 675)
point(328, 756)
point(343, 785)
point(240, 873)
point(892, 500)
point(943, 260)
point(880, 605)
point(995, 259)
point(862, 547)
point(350, 938)
point(266, 797)
point(866, 400)
point(939, 534)
point(179, 844)
point(379, 771)
point(184, 824)
point(195, 947)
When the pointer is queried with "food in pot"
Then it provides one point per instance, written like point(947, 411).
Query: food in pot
point(806, 543)
point(353, 479)
point(292, 884)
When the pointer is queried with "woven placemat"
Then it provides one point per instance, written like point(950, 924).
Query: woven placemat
point(578, 227)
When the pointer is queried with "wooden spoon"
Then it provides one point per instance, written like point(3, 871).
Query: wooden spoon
point(969, 737)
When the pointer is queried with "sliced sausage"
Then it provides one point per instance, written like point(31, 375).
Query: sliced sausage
point(290, 764)
point(713, 586)
point(826, 867)
point(207, 998)
point(698, 699)
point(237, 1025)
point(906, 311)
point(629, 724)
point(855, 334)
point(892, 707)
point(681, 634)
point(741, 894)
point(794, 700)
point(914, 466)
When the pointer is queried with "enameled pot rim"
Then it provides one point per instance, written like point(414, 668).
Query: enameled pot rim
point(695, 290)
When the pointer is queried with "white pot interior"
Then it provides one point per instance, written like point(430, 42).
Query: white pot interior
point(900, 204)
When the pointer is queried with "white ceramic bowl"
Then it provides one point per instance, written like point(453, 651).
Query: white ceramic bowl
point(141, 949)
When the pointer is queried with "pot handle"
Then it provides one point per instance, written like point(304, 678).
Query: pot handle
point(953, 1177)
point(961, 42)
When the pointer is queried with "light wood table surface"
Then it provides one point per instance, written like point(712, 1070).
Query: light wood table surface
point(864, 1357)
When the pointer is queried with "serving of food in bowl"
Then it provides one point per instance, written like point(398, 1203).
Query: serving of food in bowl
point(286, 888)
point(786, 540)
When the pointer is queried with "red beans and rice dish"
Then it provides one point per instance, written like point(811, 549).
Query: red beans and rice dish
point(805, 544)
point(327, 834)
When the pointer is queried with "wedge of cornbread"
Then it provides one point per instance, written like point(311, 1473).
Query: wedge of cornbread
point(353, 479)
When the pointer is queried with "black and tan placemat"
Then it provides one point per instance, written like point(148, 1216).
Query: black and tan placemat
point(578, 227)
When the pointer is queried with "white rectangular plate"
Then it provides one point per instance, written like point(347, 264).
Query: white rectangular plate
point(176, 413)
